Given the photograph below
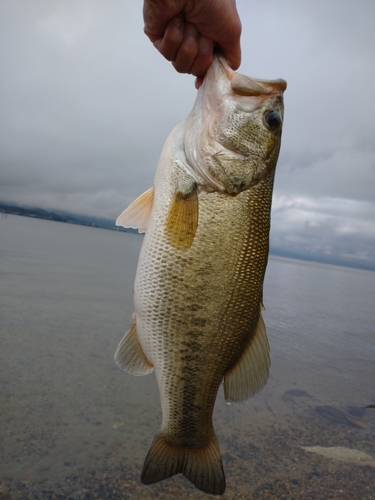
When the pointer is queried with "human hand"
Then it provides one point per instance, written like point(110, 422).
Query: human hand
point(186, 31)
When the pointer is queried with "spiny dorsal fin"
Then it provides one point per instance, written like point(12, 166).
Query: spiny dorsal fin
point(130, 356)
point(250, 373)
point(201, 465)
point(182, 219)
point(137, 214)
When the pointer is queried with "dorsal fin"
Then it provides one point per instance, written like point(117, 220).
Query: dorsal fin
point(251, 371)
point(137, 214)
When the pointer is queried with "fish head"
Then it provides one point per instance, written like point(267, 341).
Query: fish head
point(233, 134)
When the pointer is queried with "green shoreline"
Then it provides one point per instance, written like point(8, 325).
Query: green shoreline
point(61, 216)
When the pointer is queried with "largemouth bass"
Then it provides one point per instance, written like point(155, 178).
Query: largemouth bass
point(198, 288)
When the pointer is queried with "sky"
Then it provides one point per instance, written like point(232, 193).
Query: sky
point(87, 102)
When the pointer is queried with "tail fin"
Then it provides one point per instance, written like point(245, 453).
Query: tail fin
point(202, 466)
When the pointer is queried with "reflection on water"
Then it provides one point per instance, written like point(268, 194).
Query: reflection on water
point(75, 426)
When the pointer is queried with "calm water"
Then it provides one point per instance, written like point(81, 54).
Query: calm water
point(75, 426)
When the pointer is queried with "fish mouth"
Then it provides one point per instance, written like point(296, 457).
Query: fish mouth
point(221, 82)
point(222, 89)
point(246, 86)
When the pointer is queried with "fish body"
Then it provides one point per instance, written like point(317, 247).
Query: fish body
point(198, 288)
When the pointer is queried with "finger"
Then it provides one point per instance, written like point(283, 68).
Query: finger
point(230, 47)
point(157, 17)
point(170, 43)
point(198, 82)
point(188, 50)
point(232, 54)
point(204, 57)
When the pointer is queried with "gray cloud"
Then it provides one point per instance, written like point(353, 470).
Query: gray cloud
point(87, 104)
point(336, 229)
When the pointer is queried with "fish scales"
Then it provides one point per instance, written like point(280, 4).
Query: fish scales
point(224, 282)
point(198, 288)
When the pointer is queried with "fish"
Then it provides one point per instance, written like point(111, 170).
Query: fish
point(199, 281)
point(336, 416)
point(343, 454)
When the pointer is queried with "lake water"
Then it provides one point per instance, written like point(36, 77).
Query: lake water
point(74, 426)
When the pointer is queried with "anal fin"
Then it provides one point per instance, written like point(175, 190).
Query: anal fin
point(182, 219)
point(130, 356)
point(251, 371)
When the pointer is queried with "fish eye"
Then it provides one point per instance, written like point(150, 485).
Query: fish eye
point(272, 119)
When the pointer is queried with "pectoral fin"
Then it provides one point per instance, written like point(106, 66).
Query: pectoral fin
point(130, 356)
point(137, 214)
point(251, 372)
point(182, 219)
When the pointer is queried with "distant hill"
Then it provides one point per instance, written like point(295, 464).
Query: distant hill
point(62, 216)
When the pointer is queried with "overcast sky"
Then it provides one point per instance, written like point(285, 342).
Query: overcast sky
point(87, 103)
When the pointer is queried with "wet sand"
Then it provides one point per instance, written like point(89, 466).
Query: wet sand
point(89, 440)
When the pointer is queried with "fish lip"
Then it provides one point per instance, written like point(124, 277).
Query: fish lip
point(242, 85)
point(238, 153)
point(247, 93)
